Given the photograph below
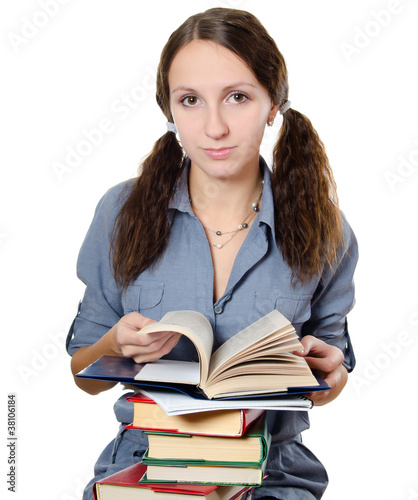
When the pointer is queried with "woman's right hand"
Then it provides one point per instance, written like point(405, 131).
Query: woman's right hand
point(123, 339)
point(142, 348)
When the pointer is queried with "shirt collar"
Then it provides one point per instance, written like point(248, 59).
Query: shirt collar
point(181, 202)
point(267, 204)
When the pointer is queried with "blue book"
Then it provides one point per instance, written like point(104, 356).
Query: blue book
point(259, 360)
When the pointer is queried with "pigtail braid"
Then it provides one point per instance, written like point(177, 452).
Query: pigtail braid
point(142, 227)
point(308, 221)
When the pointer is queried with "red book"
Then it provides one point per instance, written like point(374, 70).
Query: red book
point(229, 423)
point(124, 485)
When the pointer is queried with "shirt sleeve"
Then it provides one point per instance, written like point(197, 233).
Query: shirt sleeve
point(101, 306)
point(334, 299)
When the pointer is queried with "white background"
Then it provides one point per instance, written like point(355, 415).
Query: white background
point(352, 71)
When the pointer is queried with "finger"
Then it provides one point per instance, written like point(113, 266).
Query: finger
point(151, 338)
point(127, 336)
point(307, 343)
point(320, 355)
point(147, 346)
point(319, 397)
point(164, 349)
point(337, 381)
point(314, 347)
point(332, 379)
point(136, 321)
point(324, 365)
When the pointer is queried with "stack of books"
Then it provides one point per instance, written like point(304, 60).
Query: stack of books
point(219, 447)
point(217, 451)
point(215, 455)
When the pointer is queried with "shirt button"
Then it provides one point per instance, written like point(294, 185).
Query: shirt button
point(218, 309)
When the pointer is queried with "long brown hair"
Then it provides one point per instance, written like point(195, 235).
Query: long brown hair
point(307, 218)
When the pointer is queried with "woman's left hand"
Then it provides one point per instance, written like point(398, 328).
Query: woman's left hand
point(326, 360)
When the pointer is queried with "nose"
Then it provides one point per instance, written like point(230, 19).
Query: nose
point(215, 125)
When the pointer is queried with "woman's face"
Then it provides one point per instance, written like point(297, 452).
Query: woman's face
point(219, 108)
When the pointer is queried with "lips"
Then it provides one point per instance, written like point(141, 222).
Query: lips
point(218, 153)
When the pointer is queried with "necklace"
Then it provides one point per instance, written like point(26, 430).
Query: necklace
point(244, 224)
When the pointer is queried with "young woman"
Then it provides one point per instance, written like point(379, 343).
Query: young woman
point(207, 226)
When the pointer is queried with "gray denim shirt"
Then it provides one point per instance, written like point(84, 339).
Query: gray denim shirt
point(183, 279)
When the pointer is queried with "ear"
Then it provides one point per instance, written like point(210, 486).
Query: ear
point(274, 110)
point(272, 114)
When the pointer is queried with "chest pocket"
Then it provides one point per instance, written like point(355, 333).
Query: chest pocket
point(144, 297)
point(294, 307)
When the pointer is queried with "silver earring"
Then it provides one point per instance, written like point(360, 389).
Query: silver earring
point(270, 121)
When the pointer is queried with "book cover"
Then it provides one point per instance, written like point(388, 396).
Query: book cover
point(205, 474)
point(124, 370)
point(148, 416)
point(257, 360)
point(185, 449)
point(126, 484)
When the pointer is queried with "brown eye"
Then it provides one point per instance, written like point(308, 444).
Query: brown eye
point(190, 100)
point(238, 98)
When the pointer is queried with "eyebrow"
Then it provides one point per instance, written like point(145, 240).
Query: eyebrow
point(234, 86)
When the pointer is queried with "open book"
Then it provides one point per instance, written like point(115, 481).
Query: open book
point(257, 360)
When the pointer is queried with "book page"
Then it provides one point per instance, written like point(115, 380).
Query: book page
point(275, 366)
point(170, 370)
point(246, 384)
point(265, 326)
point(193, 325)
point(177, 403)
point(259, 351)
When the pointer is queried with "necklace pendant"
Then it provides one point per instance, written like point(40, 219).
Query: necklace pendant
point(244, 224)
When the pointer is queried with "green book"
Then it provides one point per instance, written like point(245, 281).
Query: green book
point(174, 449)
point(204, 474)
